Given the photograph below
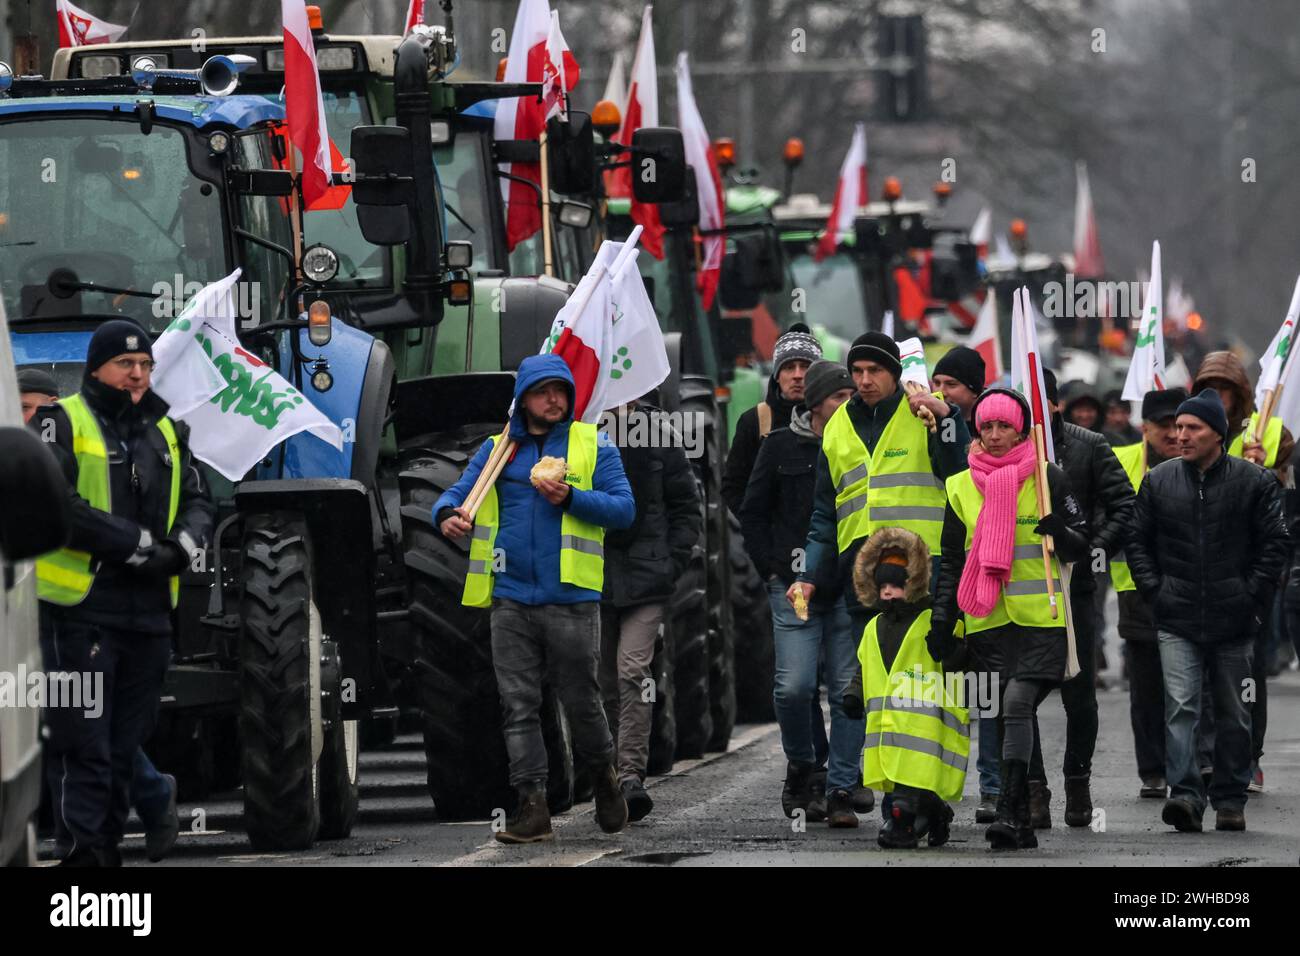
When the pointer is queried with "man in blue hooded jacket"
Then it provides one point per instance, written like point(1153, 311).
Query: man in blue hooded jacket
point(537, 559)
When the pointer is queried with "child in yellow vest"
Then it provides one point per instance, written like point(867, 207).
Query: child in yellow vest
point(917, 742)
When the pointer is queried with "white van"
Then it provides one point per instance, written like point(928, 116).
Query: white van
point(33, 520)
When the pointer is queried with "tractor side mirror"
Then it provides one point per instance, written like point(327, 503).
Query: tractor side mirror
point(658, 164)
point(685, 212)
point(384, 189)
point(571, 152)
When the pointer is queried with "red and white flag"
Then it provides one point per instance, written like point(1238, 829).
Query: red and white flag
point(641, 110)
point(79, 28)
point(414, 16)
point(554, 73)
point(982, 231)
point(708, 184)
point(304, 107)
point(616, 85)
point(524, 117)
point(849, 195)
point(1027, 365)
point(985, 339)
point(1087, 247)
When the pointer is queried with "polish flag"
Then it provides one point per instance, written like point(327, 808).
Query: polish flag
point(79, 28)
point(616, 85)
point(1087, 247)
point(303, 106)
point(554, 74)
point(981, 232)
point(984, 338)
point(849, 195)
point(708, 184)
point(414, 16)
point(641, 110)
point(525, 117)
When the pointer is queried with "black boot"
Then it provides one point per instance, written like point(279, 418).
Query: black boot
point(1078, 802)
point(1040, 805)
point(611, 808)
point(1002, 834)
point(532, 821)
point(899, 831)
point(1026, 839)
point(794, 795)
point(940, 817)
point(817, 796)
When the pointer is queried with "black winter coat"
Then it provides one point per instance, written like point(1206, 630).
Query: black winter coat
point(744, 446)
point(644, 561)
point(139, 490)
point(1102, 489)
point(1207, 549)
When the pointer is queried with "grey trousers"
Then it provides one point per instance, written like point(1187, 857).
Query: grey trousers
point(627, 648)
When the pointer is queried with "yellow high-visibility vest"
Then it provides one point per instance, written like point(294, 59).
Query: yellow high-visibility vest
point(1024, 597)
point(65, 576)
point(1271, 441)
point(582, 544)
point(893, 488)
point(1130, 456)
point(917, 723)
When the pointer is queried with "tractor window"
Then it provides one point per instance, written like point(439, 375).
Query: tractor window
point(834, 293)
point(266, 273)
point(463, 176)
point(115, 207)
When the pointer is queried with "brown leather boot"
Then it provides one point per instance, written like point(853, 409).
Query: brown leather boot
point(611, 807)
point(532, 821)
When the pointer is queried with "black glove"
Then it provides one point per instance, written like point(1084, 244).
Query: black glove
point(1052, 524)
point(853, 707)
point(940, 643)
point(164, 560)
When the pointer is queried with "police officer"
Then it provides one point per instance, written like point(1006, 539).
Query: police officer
point(140, 510)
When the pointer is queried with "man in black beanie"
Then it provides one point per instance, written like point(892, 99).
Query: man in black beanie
point(107, 598)
point(959, 375)
point(879, 467)
point(1207, 547)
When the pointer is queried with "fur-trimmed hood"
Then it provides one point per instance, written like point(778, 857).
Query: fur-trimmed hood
point(918, 565)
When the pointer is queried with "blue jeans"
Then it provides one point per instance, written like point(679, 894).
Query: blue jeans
point(799, 647)
point(989, 754)
point(150, 791)
point(1187, 667)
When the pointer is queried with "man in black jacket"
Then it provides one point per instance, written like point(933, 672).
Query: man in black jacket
point(642, 566)
point(141, 511)
point(774, 518)
point(1104, 493)
point(794, 352)
point(1206, 550)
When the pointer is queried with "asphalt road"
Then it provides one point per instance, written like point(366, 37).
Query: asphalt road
point(725, 810)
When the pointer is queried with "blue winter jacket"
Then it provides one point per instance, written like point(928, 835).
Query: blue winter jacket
point(529, 532)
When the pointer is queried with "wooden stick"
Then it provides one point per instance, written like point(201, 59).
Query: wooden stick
point(927, 416)
point(481, 482)
point(498, 466)
point(548, 261)
point(1144, 455)
point(1044, 509)
point(1265, 413)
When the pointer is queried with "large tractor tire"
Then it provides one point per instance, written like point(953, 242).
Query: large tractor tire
point(722, 663)
point(755, 652)
point(663, 720)
point(455, 684)
point(339, 772)
point(686, 627)
point(279, 686)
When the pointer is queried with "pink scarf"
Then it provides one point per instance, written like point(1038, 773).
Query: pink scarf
point(988, 566)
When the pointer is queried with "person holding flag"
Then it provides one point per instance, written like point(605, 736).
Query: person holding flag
point(997, 537)
point(1224, 373)
point(959, 377)
point(1137, 626)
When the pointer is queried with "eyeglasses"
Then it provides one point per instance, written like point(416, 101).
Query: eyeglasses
point(126, 364)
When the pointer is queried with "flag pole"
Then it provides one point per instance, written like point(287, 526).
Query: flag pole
point(295, 218)
point(548, 261)
point(1042, 495)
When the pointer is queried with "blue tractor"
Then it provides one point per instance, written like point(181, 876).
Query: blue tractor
point(124, 194)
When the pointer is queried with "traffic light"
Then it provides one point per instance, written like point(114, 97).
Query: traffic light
point(901, 59)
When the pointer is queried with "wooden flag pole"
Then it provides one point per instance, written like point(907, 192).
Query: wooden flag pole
point(475, 497)
point(1044, 509)
point(490, 476)
point(548, 256)
point(927, 416)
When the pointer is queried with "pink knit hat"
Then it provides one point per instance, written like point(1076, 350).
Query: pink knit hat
point(1000, 408)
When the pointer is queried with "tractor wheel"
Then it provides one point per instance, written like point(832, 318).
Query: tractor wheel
point(339, 775)
point(663, 720)
point(722, 638)
point(279, 686)
point(755, 652)
point(686, 628)
point(455, 684)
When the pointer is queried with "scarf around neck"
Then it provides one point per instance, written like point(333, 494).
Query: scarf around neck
point(988, 566)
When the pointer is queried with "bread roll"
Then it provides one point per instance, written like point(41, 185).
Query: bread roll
point(548, 468)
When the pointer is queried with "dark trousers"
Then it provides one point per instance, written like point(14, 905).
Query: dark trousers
point(1079, 696)
point(89, 756)
point(557, 644)
point(1146, 706)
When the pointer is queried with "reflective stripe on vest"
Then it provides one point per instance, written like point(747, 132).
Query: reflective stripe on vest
point(1024, 597)
point(894, 487)
point(1271, 441)
point(1130, 456)
point(582, 544)
point(917, 727)
point(65, 576)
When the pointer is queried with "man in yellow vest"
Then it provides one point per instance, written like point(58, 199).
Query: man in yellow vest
point(1137, 626)
point(537, 559)
point(1223, 372)
point(879, 467)
point(141, 512)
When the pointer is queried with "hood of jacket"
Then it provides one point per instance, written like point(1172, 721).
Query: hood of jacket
point(533, 371)
point(888, 539)
point(801, 423)
point(1227, 367)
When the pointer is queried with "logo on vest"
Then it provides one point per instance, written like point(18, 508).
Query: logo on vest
point(895, 452)
point(1030, 520)
point(571, 478)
